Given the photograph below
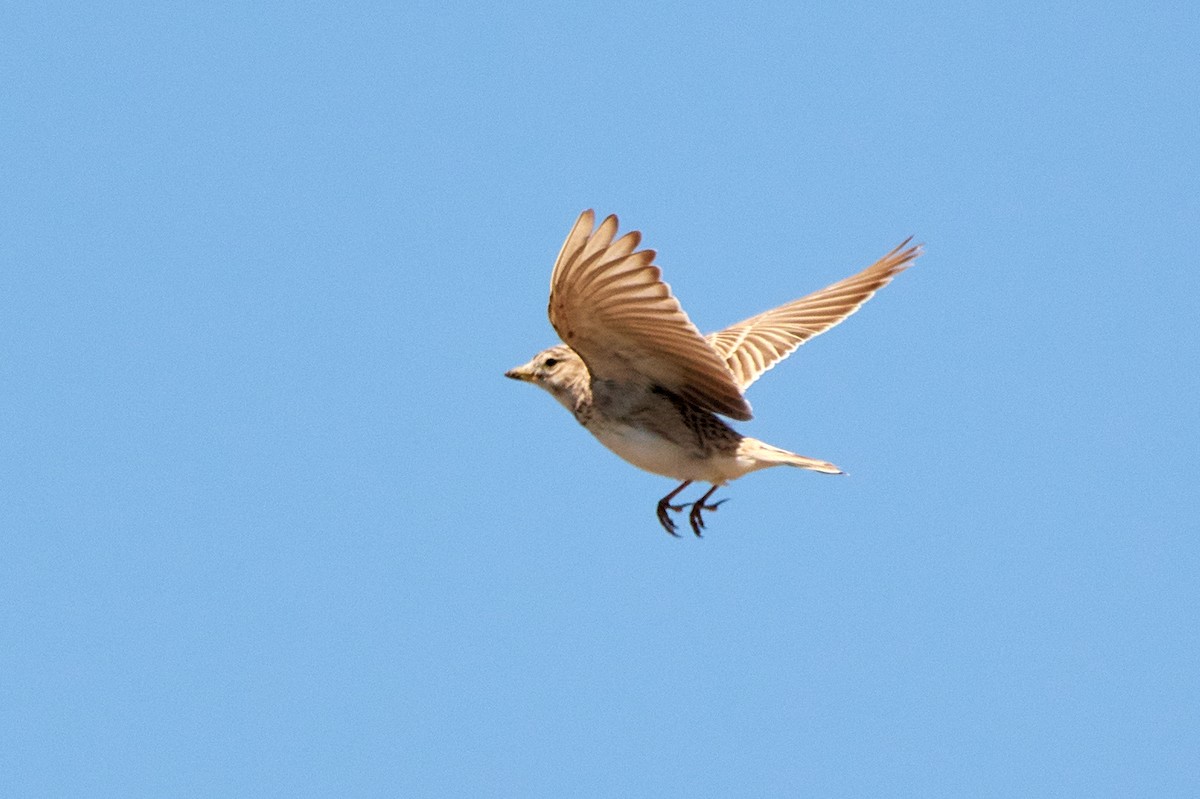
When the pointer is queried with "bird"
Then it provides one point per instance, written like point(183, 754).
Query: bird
point(641, 377)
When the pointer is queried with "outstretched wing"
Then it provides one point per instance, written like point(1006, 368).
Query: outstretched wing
point(608, 303)
point(755, 345)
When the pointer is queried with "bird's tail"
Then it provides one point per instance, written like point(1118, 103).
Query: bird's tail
point(767, 456)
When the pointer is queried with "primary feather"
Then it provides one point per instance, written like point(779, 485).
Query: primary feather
point(754, 345)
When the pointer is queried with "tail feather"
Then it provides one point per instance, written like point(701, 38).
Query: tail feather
point(768, 455)
point(825, 467)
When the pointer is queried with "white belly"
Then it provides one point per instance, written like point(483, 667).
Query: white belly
point(655, 454)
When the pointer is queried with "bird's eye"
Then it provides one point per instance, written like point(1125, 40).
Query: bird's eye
point(550, 363)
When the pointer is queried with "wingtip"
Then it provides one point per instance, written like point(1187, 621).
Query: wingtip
point(902, 256)
point(588, 217)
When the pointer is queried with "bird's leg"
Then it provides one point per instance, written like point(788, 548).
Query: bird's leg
point(664, 505)
point(694, 517)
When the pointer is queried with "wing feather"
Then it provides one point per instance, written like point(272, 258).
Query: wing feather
point(608, 302)
point(753, 346)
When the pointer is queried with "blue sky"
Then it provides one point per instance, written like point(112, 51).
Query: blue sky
point(273, 522)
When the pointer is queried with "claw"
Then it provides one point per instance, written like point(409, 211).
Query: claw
point(664, 518)
point(695, 517)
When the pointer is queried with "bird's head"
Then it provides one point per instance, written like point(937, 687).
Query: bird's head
point(558, 370)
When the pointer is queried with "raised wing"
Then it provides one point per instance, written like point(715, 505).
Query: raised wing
point(755, 345)
point(608, 303)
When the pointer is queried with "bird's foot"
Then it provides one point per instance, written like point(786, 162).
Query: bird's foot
point(664, 517)
point(696, 519)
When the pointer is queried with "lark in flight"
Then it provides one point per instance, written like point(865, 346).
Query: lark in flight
point(642, 378)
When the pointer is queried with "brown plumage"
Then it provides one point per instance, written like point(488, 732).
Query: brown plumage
point(641, 377)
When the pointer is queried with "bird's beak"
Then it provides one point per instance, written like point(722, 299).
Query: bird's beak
point(519, 373)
